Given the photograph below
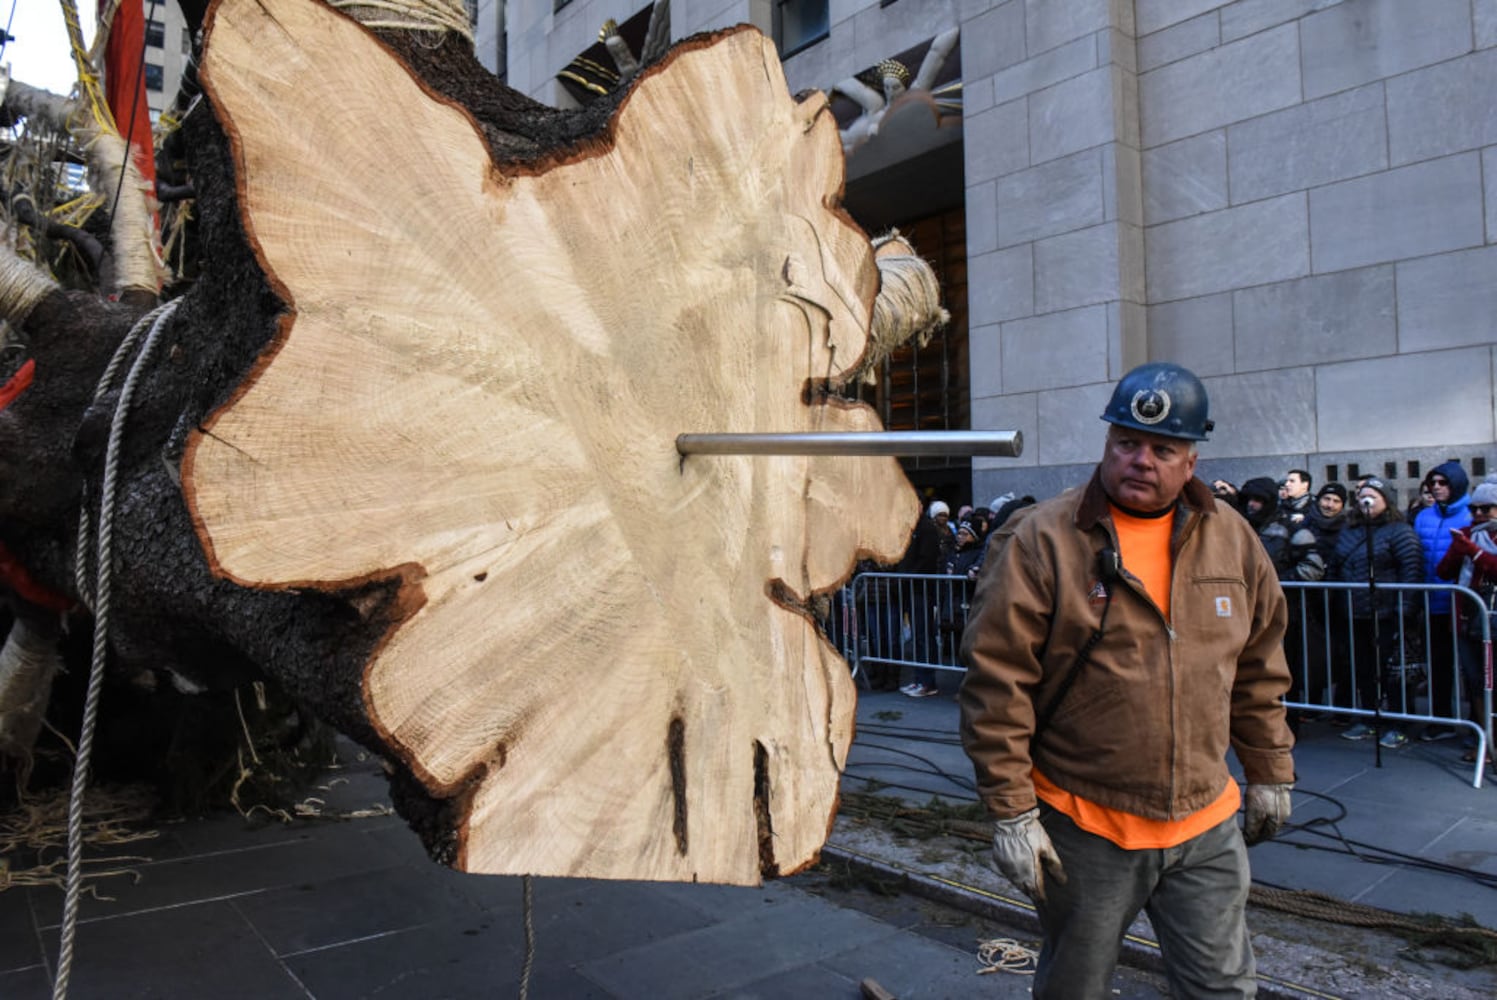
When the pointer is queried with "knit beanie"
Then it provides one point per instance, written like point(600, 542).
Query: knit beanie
point(1335, 489)
point(1485, 493)
point(938, 507)
point(1387, 491)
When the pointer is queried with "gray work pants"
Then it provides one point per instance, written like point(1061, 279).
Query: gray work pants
point(1195, 895)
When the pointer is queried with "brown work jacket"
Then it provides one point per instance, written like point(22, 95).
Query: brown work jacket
point(1146, 724)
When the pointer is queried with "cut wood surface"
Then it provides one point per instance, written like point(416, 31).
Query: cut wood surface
point(605, 661)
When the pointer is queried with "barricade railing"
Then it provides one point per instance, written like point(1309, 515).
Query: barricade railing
point(901, 619)
point(1427, 667)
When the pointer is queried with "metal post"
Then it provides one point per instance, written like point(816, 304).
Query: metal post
point(1003, 444)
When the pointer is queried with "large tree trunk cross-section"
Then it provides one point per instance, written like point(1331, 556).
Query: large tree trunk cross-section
point(602, 656)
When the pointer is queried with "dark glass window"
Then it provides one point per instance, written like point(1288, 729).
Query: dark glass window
point(155, 78)
point(156, 34)
point(799, 24)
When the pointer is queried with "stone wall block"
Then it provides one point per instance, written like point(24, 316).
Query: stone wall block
point(821, 65)
point(1000, 285)
point(1484, 20)
point(1018, 412)
point(1117, 49)
point(1044, 70)
point(1248, 17)
point(1224, 85)
point(993, 41)
point(1058, 197)
point(1309, 145)
point(1326, 318)
point(1122, 184)
point(1127, 337)
point(1071, 116)
point(1132, 286)
point(1436, 396)
point(880, 32)
point(996, 142)
point(1070, 429)
point(982, 219)
point(985, 363)
point(1077, 269)
point(1408, 212)
point(977, 96)
point(1489, 190)
point(1048, 24)
point(1443, 109)
point(1358, 41)
point(1179, 41)
point(1185, 178)
point(1260, 413)
point(1196, 333)
point(1449, 300)
point(1154, 15)
point(1236, 247)
point(1054, 351)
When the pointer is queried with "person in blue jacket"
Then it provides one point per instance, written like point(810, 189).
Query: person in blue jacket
point(1450, 511)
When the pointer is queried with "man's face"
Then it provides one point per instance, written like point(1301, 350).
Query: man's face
point(1330, 504)
point(1254, 506)
point(1439, 488)
point(1144, 471)
point(1295, 487)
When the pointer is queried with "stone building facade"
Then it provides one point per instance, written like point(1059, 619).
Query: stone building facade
point(1295, 198)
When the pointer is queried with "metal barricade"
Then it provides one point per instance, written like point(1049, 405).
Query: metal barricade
point(901, 619)
point(1346, 652)
point(1343, 657)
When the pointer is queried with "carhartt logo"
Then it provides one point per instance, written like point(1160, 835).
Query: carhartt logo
point(1224, 607)
point(1098, 594)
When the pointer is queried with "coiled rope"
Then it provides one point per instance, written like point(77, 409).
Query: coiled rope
point(157, 320)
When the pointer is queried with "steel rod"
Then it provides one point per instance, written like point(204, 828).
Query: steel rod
point(1003, 444)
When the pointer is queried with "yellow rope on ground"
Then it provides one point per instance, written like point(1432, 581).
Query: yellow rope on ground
point(39, 826)
point(409, 15)
point(1006, 955)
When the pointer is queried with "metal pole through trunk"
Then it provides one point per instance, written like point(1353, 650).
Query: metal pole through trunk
point(1002, 444)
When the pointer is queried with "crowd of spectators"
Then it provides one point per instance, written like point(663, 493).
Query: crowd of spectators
point(1339, 646)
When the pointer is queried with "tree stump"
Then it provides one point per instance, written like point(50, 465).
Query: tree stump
point(597, 657)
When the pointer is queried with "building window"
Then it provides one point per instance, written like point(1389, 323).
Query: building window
point(799, 24)
point(155, 78)
point(155, 35)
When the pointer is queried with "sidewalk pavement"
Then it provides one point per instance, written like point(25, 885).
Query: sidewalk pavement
point(330, 909)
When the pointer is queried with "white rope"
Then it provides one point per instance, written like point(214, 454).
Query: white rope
point(158, 318)
point(409, 15)
point(22, 286)
point(1006, 955)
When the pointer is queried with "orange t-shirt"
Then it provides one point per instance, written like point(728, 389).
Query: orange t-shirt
point(1144, 546)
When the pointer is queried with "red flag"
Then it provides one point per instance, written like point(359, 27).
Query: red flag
point(125, 85)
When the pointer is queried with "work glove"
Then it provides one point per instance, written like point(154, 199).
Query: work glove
point(1267, 811)
point(1023, 853)
point(1462, 544)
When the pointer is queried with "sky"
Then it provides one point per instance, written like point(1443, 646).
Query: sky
point(39, 55)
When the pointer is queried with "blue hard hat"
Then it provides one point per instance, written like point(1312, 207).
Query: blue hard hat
point(1160, 398)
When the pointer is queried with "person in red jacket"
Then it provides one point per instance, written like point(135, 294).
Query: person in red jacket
point(1471, 561)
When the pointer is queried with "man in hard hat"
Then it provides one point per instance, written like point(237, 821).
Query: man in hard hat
point(1122, 637)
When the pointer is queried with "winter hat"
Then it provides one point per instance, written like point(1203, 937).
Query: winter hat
point(1261, 488)
point(997, 503)
point(1335, 489)
point(969, 529)
point(1387, 491)
point(1485, 493)
point(1457, 476)
point(938, 507)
